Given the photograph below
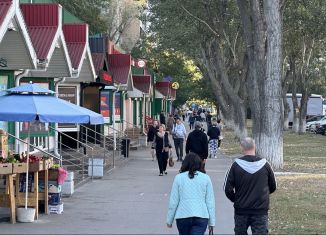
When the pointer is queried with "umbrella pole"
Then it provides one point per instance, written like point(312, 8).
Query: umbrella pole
point(28, 143)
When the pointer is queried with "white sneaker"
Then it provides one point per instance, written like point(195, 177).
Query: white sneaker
point(215, 156)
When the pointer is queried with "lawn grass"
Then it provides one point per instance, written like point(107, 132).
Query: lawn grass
point(299, 204)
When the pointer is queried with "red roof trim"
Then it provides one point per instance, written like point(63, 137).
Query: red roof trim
point(98, 61)
point(4, 9)
point(76, 38)
point(142, 83)
point(163, 87)
point(42, 21)
point(119, 65)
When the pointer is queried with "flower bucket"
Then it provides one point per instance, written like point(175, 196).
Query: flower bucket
point(62, 175)
point(25, 215)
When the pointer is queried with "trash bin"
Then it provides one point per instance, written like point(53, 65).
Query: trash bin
point(125, 146)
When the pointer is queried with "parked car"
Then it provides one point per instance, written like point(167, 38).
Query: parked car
point(322, 130)
point(312, 120)
point(319, 124)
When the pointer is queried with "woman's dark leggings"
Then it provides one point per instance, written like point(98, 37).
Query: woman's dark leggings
point(162, 159)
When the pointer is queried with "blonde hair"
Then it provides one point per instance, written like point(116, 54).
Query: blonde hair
point(162, 125)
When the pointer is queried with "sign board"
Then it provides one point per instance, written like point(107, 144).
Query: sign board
point(175, 85)
point(106, 78)
point(117, 108)
point(105, 106)
point(3, 86)
point(68, 93)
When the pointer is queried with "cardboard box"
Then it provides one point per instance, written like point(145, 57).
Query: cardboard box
point(56, 209)
point(5, 168)
point(36, 166)
point(19, 168)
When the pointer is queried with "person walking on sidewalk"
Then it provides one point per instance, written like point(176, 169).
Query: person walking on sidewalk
point(192, 201)
point(197, 142)
point(220, 126)
point(248, 184)
point(162, 149)
point(214, 135)
point(162, 118)
point(151, 137)
point(170, 123)
point(191, 121)
point(179, 134)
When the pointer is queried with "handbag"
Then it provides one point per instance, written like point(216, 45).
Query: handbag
point(171, 162)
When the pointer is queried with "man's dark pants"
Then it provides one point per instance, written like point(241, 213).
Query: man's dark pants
point(258, 224)
point(178, 144)
point(192, 226)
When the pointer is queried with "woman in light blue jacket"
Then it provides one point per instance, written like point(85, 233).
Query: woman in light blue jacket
point(192, 201)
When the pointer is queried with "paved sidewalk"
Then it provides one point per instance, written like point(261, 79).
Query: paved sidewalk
point(132, 199)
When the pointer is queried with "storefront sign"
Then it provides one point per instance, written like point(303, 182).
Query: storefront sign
point(106, 78)
point(68, 93)
point(3, 86)
point(35, 127)
point(117, 104)
point(105, 106)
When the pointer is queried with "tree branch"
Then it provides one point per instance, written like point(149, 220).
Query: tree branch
point(200, 20)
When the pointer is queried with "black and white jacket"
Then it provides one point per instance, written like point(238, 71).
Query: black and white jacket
point(248, 184)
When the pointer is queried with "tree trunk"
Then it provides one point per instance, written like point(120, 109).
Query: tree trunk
point(231, 105)
point(262, 30)
point(303, 112)
point(286, 106)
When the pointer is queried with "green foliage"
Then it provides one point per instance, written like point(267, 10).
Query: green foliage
point(304, 35)
point(89, 11)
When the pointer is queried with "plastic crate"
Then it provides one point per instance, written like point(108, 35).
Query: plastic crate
point(56, 209)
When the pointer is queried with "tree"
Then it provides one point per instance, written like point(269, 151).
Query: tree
point(304, 52)
point(89, 11)
point(209, 33)
point(261, 23)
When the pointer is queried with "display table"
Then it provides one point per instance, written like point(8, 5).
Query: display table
point(13, 198)
point(7, 199)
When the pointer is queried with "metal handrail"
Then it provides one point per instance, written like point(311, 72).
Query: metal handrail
point(72, 138)
point(82, 144)
point(34, 146)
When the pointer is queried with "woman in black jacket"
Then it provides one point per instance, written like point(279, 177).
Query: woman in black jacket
point(214, 134)
point(162, 149)
point(151, 137)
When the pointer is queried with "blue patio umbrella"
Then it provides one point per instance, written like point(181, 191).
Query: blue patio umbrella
point(29, 102)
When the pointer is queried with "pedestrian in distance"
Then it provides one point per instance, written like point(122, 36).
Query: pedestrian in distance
point(209, 119)
point(214, 135)
point(203, 116)
point(192, 202)
point(162, 149)
point(191, 121)
point(179, 134)
point(170, 123)
point(153, 129)
point(162, 118)
point(197, 142)
point(248, 184)
point(220, 126)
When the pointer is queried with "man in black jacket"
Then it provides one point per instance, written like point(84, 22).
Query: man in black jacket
point(248, 184)
point(197, 142)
